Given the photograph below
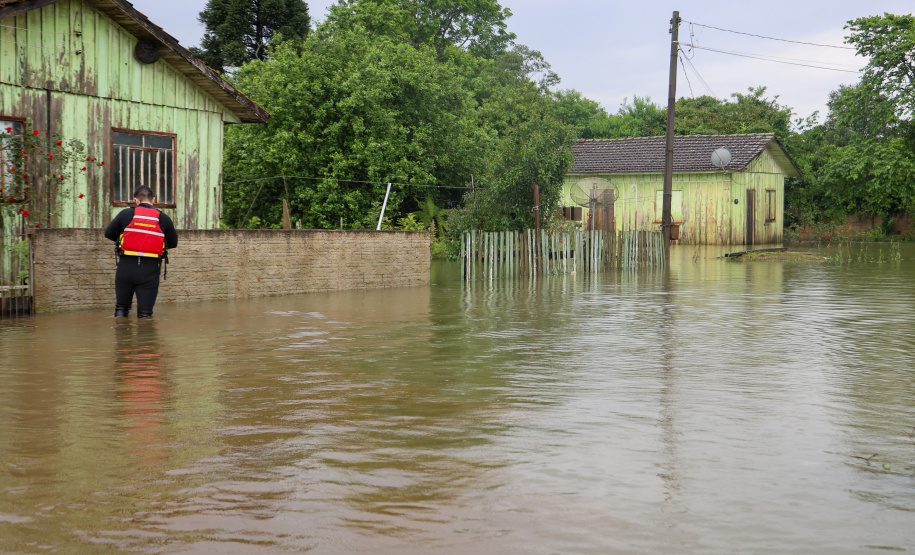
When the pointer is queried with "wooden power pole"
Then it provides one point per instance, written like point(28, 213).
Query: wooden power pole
point(666, 219)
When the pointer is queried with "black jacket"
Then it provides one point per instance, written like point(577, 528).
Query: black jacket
point(124, 217)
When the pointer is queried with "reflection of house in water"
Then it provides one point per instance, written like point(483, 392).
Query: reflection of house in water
point(741, 203)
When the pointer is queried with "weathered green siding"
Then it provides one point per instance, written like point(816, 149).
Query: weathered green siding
point(703, 210)
point(70, 68)
point(706, 211)
point(761, 174)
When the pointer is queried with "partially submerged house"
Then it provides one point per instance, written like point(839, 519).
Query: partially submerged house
point(739, 203)
point(100, 72)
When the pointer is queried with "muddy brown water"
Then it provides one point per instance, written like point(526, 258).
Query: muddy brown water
point(761, 407)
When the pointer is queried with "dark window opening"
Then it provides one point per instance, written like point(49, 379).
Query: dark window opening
point(143, 159)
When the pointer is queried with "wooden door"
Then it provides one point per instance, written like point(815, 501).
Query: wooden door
point(751, 216)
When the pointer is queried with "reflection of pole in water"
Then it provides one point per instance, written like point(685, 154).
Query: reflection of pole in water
point(669, 464)
point(142, 387)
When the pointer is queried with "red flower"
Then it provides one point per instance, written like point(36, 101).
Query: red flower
point(50, 156)
point(9, 129)
point(36, 132)
point(88, 158)
point(59, 142)
point(82, 195)
point(12, 170)
point(61, 178)
point(37, 225)
point(25, 213)
point(103, 163)
point(10, 199)
point(83, 169)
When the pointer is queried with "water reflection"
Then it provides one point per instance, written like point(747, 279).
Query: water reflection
point(721, 404)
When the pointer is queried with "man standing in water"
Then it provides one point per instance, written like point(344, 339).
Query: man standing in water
point(142, 235)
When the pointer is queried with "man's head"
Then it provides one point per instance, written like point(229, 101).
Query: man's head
point(144, 194)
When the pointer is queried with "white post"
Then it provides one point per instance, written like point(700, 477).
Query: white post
point(383, 207)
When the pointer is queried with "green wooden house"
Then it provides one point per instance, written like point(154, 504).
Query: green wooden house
point(740, 203)
point(100, 72)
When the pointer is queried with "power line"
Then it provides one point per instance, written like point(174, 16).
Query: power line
point(433, 185)
point(770, 38)
point(686, 75)
point(786, 59)
point(699, 75)
point(770, 59)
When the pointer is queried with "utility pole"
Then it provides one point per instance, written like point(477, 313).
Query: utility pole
point(666, 219)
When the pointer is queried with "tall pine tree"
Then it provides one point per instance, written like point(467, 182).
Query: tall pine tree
point(238, 31)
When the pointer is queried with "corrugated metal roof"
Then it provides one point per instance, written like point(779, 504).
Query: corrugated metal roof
point(192, 67)
point(692, 153)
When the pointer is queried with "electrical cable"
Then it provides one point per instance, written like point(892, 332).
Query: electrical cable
point(769, 38)
point(686, 75)
point(701, 79)
point(836, 65)
point(432, 185)
point(770, 59)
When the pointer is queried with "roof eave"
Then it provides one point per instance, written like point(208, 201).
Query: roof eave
point(124, 14)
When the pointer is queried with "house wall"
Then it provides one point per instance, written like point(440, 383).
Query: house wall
point(71, 70)
point(226, 264)
point(705, 206)
point(762, 174)
point(703, 211)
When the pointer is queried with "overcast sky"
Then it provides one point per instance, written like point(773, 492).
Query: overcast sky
point(613, 49)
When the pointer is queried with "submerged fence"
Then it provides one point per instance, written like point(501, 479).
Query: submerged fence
point(500, 254)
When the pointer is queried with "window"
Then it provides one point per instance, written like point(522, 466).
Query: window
point(6, 153)
point(143, 159)
point(771, 196)
point(572, 213)
point(676, 206)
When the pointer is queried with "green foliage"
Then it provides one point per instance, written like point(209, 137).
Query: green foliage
point(350, 108)
point(640, 118)
point(888, 41)
point(374, 96)
point(752, 112)
point(411, 223)
point(238, 31)
point(477, 26)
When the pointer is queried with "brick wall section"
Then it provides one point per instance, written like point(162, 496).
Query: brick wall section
point(74, 268)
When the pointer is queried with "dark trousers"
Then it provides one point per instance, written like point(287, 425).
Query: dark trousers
point(140, 275)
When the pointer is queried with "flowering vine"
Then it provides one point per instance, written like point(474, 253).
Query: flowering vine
point(31, 157)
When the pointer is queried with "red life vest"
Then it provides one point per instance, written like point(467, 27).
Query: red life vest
point(143, 236)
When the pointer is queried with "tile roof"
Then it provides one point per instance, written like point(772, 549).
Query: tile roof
point(692, 153)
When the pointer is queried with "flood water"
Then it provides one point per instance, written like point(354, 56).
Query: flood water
point(758, 407)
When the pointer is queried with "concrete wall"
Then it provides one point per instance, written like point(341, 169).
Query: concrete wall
point(74, 268)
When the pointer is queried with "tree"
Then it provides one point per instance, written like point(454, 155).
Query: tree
point(752, 112)
point(579, 112)
point(353, 111)
point(889, 43)
point(238, 31)
point(477, 26)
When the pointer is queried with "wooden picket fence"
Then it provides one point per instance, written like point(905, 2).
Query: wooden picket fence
point(15, 272)
point(514, 254)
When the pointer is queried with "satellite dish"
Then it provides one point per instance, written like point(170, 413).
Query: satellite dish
point(590, 193)
point(721, 158)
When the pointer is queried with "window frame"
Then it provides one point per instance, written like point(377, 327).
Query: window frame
point(22, 122)
point(571, 213)
point(771, 206)
point(110, 178)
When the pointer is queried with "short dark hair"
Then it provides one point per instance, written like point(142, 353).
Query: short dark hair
point(144, 193)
